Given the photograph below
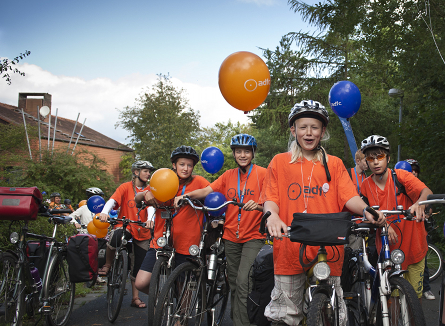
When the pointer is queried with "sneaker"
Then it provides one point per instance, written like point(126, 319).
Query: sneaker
point(429, 295)
point(101, 280)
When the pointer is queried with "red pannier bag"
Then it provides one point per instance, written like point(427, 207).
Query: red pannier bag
point(82, 260)
point(19, 203)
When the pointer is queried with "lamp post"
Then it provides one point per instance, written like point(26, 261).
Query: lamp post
point(394, 92)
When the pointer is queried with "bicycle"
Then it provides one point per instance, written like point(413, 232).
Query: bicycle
point(199, 286)
point(374, 299)
point(434, 255)
point(117, 276)
point(22, 287)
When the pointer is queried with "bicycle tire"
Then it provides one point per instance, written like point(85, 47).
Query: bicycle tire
point(413, 315)
point(318, 313)
point(185, 283)
point(11, 291)
point(357, 315)
point(59, 291)
point(116, 285)
point(218, 297)
point(434, 262)
point(158, 278)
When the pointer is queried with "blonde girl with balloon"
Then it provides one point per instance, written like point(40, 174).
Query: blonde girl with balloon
point(242, 240)
point(187, 223)
point(306, 180)
point(123, 198)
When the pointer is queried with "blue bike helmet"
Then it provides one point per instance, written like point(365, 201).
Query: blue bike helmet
point(243, 140)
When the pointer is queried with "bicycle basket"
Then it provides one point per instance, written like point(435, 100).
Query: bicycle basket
point(321, 229)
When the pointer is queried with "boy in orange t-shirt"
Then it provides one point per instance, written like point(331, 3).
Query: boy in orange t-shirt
point(242, 240)
point(380, 190)
point(187, 223)
point(123, 198)
point(305, 180)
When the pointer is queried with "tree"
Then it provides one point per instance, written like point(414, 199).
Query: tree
point(7, 66)
point(160, 121)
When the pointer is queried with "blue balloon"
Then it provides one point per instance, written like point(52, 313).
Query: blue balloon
point(43, 192)
point(95, 204)
point(113, 213)
point(212, 159)
point(403, 165)
point(213, 200)
point(345, 99)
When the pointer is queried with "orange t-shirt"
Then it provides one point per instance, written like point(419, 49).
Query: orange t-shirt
point(227, 184)
point(413, 235)
point(187, 224)
point(124, 196)
point(293, 192)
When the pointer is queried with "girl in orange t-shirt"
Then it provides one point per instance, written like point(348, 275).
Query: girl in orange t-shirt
point(242, 240)
point(304, 180)
point(123, 198)
point(187, 224)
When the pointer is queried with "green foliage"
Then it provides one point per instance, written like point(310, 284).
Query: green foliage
point(6, 66)
point(160, 121)
point(125, 165)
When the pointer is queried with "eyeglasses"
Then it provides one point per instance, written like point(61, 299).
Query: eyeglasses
point(378, 157)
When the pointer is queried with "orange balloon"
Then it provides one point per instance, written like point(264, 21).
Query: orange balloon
point(164, 184)
point(244, 80)
point(91, 228)
point(101, 233)
point(82, 202)
point(99, 224)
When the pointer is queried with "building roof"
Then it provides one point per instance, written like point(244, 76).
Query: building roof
point(10, 114)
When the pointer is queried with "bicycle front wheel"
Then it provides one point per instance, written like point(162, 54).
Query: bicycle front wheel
point(158, 278)
point(12, 294)
point(59, 291)
point(402, 305)
point(182, 300)
point(218, 297)
point(117, 279)
point(321, 312)
point(434, 261)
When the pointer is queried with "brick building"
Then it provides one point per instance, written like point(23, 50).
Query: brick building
point(108, 149)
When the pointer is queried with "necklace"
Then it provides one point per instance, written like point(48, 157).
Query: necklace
point(306, 200)
point(241, 196)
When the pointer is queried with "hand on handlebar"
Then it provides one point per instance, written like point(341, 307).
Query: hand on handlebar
point(103, 217)
point(176, 201)
point(418, 212)
point(149, 224)
point(275, 226)
point(380, 221)
point(250, 205)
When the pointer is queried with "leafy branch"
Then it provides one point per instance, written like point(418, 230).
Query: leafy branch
point(7, 66)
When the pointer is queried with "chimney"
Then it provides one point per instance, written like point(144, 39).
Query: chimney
point(30, 101)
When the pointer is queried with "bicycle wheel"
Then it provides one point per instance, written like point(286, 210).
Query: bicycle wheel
point(434, 261)
point(320, 311)
point(357, 315)
point(158, 278)
point(218, 297)
point(403, 305)
point(116, 285)
point(59, 291)
point(183, 298)
point(12, 294)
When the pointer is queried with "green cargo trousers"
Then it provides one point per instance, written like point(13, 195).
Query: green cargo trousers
point(240, 257)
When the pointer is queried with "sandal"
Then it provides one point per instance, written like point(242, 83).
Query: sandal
point(140, 305)
point(103, 271)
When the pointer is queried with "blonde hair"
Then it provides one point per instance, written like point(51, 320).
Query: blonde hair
point(297, 153)
point(359, 155)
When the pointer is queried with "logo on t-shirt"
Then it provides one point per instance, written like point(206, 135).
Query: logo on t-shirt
point(231, 193)
point(294, 191)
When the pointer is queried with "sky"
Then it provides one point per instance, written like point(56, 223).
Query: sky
point(96, 57)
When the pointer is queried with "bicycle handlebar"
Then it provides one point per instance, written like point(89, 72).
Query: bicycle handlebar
point(123, 220)
point(262, 229)
point(434, 199)
point(187, 200)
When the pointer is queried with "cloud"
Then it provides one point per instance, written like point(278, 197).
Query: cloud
point(98, 100)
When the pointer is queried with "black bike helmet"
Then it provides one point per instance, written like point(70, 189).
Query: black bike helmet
point(414, 164)
point(186, 152)
point(94, 191)
point(67, 202)
point(375, 141)
point(243, 140)
point(55, 194)
point(309, 109)
point(138, 165)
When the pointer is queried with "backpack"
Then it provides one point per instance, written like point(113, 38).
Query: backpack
point(36, 255)
point(82, 253)
point(400, 188)
point(263, 282)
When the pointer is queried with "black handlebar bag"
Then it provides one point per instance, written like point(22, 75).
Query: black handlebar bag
point(321, 229)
